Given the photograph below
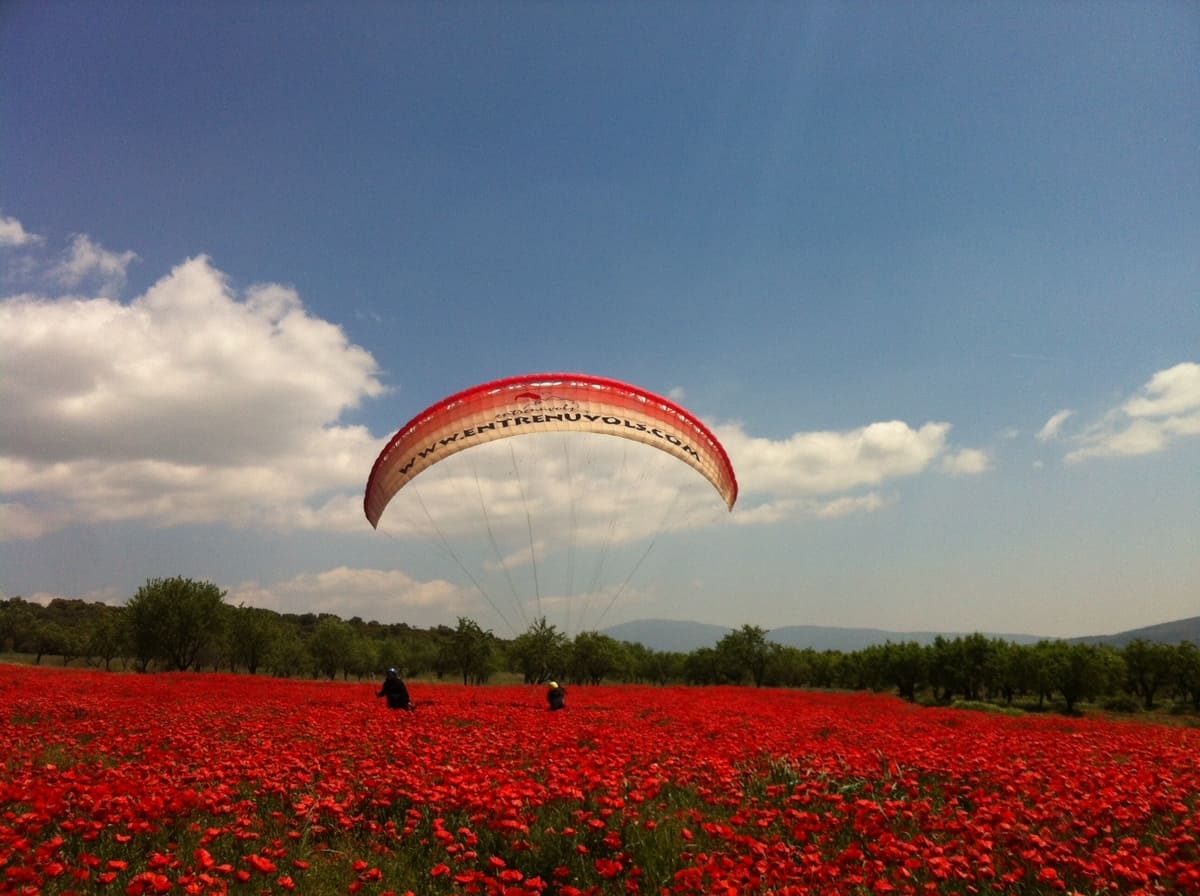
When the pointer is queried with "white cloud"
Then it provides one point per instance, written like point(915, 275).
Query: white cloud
point(621, 492)
point(14, 234)
point(189, 404)
point(966, 462)
point(1170, 393)
point(766, 512)
point(778, 478)
point(86, 260)
point(372, 594)
point(522, 556)
point(1053, 426)
point(195, 404)
point(828, 462)
point(1165, 408)
point(838, 507)
point(776, 511)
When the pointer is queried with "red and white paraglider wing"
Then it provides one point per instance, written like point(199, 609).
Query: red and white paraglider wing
point(551, 402)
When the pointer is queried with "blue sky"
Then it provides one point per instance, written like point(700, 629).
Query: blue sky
point(930, 270)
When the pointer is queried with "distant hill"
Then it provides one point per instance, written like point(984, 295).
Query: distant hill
point(1164, 633)
point(668, 634)
point(684, 637)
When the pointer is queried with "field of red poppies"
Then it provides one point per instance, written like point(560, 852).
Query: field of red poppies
point(120, 783)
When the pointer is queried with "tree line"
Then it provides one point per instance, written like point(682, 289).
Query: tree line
point(177, 624)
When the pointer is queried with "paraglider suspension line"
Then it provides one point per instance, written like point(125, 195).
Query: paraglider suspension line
point(646, 553)
point(496, 547)
point(445, 545)
point(537, 589)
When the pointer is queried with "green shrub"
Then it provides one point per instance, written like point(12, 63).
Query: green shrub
point(984, 706)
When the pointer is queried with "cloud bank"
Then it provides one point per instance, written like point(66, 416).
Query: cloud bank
point(191, 403)
point(198, 403)
point(1165, 409)
point(796, 476)
point(350, 592)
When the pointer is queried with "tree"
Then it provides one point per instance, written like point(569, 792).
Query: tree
point(469, 650)
point(72, 646)
point(252, 630)
point(540, 652)
point(595, 656)
point(961, 666)
point(746, 652)
point(1082, 671)
point(825, 669)
point(420, 655)
point(364, 658)
point(1040, 663)
point(906, 666)
point(1148, 668)
point(654, 666)
point(871, 668)
point(1006, 671)
point(288, 654)
point(108, 637)
point(789, 667)
point(975, 653)
point(172, 620)
point(388, 653)
point(944, 675)
point(17, 624)
point(664, 666)
point(332, 646)
point(705, 666)
point(48, 638)
point(1186, 670)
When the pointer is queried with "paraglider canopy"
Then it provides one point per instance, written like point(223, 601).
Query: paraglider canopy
point(546, 402)
point(567, 516)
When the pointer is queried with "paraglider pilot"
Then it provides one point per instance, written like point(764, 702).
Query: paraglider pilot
point(396, 692)
point(556, 697)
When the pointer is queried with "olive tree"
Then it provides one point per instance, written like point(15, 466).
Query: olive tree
point(540, 652)
point(1186, 666)
point(252, 631)
point(1148, 667)
point(595, 656)
point(746, 652)
point(332, 646)
point(172, 621)
point(470, 650)
point(1082, 671)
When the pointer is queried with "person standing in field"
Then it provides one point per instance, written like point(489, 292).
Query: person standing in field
point(556, 696)
point(396, 691)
